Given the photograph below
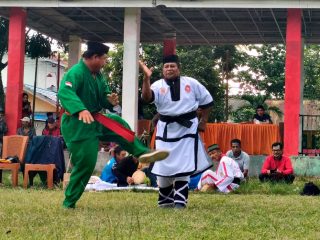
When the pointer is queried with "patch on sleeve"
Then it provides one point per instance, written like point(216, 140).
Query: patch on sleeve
point(69, 84)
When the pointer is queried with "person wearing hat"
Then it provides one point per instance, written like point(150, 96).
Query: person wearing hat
point(49, 116)
point(51, 129)
point(26, 129)
point(177, 99)
point(226, 178)
point(84, 91)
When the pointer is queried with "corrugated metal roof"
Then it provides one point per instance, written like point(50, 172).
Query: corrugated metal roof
point(47, 95)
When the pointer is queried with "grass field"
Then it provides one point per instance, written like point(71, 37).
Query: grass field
point(255, 211)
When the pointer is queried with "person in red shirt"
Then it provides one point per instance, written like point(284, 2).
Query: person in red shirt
point(51, 129)
point(277, 167)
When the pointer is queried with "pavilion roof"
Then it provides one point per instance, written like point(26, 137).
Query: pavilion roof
point(192, 22)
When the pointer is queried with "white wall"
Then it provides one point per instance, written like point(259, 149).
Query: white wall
point(44, 68)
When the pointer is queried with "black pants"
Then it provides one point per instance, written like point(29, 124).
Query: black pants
point(236, 180)
point(274, 177)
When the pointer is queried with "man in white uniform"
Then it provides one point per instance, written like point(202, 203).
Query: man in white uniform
point(228, 175)
point(177, 99)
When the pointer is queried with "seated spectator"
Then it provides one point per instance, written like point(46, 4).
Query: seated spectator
point(261, 117)
point(241, 157)
point(277, 167)
point(49, 117)
point(107, 174)
point(26, 129)
point(124, 170)
point(228, 175)
point(51, 129)
point(3, 125)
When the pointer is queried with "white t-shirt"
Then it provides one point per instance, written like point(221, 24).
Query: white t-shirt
point(243, 159)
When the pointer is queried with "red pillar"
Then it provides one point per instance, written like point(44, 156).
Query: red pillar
point(16, 52)
point(169, 46)
point(293, 91)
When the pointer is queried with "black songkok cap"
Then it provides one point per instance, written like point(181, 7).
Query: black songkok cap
point(97, 48)
point(171, 59)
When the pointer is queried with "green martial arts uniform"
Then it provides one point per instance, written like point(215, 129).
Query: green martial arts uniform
point(79, 91)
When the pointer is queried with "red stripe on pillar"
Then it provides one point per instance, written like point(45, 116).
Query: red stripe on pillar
point(16, 52)
point(292, 82)
point(169, 47)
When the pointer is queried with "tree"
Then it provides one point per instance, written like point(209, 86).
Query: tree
point(37, 46)
point(196, 61)
point(227, 58)
point(113, 70)
point(4, 31)
point(312, 72)
point(266, 71)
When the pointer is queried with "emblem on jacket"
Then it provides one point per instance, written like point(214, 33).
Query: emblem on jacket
point(69, 84)
point(187, 88)
point(163, 91)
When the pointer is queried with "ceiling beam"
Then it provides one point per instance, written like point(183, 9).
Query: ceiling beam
point(279, 29)
point(168, 3)
point(205, 15)
point(304, 24)
point(162, 20)
point(192, 26)
point(235, 27)
point(255, 24)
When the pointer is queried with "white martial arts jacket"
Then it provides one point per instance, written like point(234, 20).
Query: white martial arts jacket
point(223, 177)
point(187, 153)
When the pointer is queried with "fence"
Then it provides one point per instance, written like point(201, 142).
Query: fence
point(310, 142)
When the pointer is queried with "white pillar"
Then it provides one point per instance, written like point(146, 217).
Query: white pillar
point(130, 66)
point(74, 50)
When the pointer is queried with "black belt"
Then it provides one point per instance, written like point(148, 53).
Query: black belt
point(183, 120)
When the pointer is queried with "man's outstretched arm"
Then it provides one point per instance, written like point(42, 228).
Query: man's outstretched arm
point(146, 89)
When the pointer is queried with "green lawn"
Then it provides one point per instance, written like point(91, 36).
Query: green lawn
point(256, 211)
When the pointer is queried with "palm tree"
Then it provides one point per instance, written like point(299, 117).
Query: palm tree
point(246, 111)
point(229, 59)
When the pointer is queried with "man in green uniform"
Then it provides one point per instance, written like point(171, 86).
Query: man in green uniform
point(84, 91)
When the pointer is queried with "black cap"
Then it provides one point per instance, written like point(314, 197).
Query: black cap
point(51, 120)
point(97, 48)
point(213, 147)
point(170, 59)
